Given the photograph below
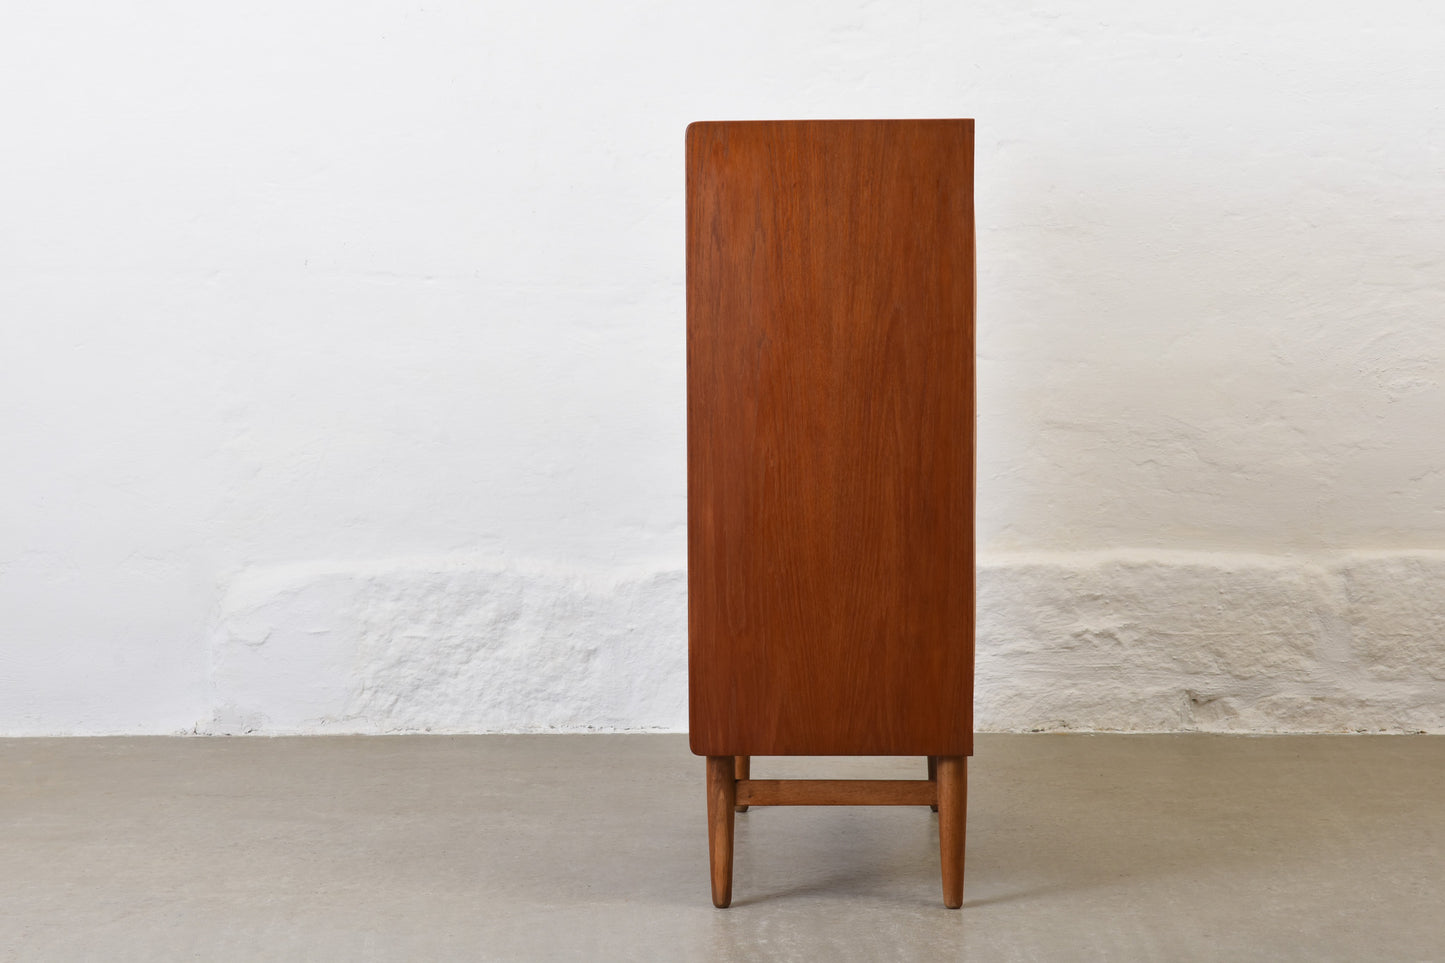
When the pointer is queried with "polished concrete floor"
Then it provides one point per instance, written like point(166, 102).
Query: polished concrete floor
point(1081, 847)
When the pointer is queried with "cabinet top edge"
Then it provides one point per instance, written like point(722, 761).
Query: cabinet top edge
point(968, 121)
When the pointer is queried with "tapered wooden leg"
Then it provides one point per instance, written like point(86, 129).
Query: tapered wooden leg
point(722, 795)
point(743, 770)
point(952, 818)
point(933, 776)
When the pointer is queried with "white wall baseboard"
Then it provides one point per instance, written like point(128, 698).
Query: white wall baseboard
point(1115, 640)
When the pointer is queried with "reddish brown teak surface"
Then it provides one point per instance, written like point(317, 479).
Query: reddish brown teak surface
point(830, 413)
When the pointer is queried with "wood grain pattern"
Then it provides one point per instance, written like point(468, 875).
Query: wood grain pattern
point(721, 798)
point(743, 770)
point(952, 817)
point(837, 792)
point(830, 416)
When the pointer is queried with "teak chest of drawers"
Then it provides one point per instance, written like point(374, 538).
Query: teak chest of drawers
point(830, 440)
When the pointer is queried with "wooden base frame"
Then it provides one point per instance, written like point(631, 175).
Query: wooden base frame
point(730, 790)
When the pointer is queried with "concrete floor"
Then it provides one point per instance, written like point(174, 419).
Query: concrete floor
point(1081, 847)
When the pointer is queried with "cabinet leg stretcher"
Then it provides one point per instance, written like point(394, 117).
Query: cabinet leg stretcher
point(730, 790)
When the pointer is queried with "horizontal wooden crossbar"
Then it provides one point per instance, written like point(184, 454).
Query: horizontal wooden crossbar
point(837, 792)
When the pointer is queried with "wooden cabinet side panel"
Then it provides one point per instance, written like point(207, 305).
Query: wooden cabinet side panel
point(830, 347)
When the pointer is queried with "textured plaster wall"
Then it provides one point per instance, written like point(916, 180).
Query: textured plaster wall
point(341, 355)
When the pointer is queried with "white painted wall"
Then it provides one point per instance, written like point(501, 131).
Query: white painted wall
point(341, 381)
